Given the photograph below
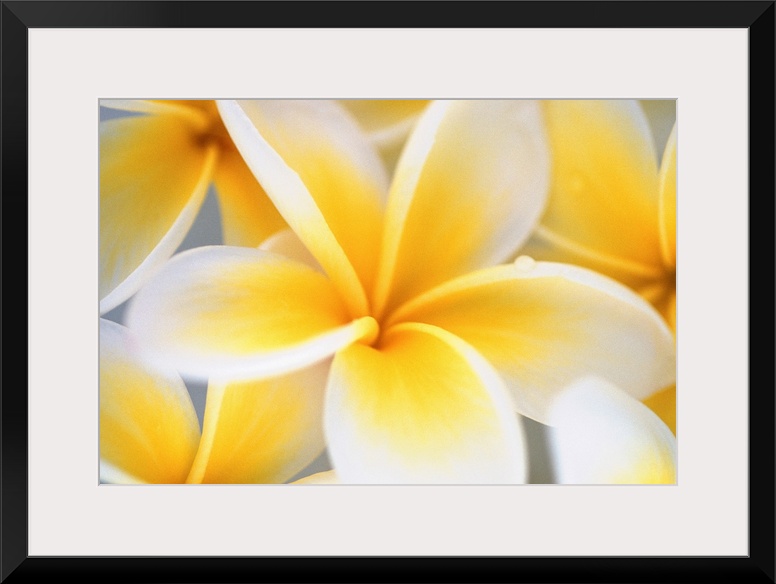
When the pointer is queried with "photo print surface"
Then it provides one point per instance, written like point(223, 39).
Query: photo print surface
point(387, 291)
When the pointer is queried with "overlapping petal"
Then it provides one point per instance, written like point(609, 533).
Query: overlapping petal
point(327, 477)
point(387, 122)
point(667, 202)
point(602, 209)
point(325, 178)
point(241, 313)
point(543, 325)
point(601, 435)
point(262, 431)
point(288, 244)
point(154, 176)
point(194, 116)
point(421, 407)
point(663, 403)
point(148, 427)
point(248, 217)
point(468, 188)
point(661, 115)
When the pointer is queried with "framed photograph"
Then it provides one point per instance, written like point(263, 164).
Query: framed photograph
point(507, 268)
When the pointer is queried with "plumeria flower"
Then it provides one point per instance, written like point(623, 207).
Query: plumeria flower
point(155, 170)
point(255, 432)
point(611, 207)
point(601, 435)
point(434, 344)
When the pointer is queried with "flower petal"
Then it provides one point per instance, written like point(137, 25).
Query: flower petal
point(327, 477)
point(148, 427)
point(388, 122)
point(421, 407)
point(248, 217)
point(663, 403)
point(288, 244)
point(661, 115)
point(241, 313)
point(326, 180)
point(601, 435)
point(194, 116)
point(471, 183)
point(668, 202)
point(669, 310)
point(603, 197)
point(543, 325)
point(153, 178)
point(262, 431)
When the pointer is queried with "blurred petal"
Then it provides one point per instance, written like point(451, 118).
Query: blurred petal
point(319, 169)
point(603, 196)
point(601, 435)
point(148, 427)
point(421, 407)
point(663, 403)
point(327, 477)
point(668, 202)
point(543, 325)
point(192, 115)
point(288, 244)
point(154, 176)
point(661, 115)
point(388, 122)
point(548, 246)
point(240, 313)
point(470, 185)
point(262, 431)
point(669, 311)
point(248, 217)
point(382, 119)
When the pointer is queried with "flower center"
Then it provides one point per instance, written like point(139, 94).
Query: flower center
point(211, 130)
point(371, 336)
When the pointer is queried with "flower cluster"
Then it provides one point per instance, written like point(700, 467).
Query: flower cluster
point(400, 284)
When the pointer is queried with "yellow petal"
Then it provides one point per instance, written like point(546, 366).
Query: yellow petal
point(663, 403)
point(388, 122)
point(668, 202)
point(248, 217)
point(548, 246)
point(601, 435)
point(327, 477)
point(470, 185)
point(262, 431)
point(604, 193)
point(326, 180)
point(543, 325)
point(154, 175)
point(420, 407)
point(669, 311)
point(192, 115)
point(148, 427)
point(241, 313)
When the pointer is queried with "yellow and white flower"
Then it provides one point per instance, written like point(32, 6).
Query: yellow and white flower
point(255, 432)
point(434, 344)
point(612, 208)
point(601, 435)
point(155, 170)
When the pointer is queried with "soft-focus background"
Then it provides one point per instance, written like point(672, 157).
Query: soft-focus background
point(207, 231)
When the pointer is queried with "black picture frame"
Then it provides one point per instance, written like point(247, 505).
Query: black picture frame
point(757, 17)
